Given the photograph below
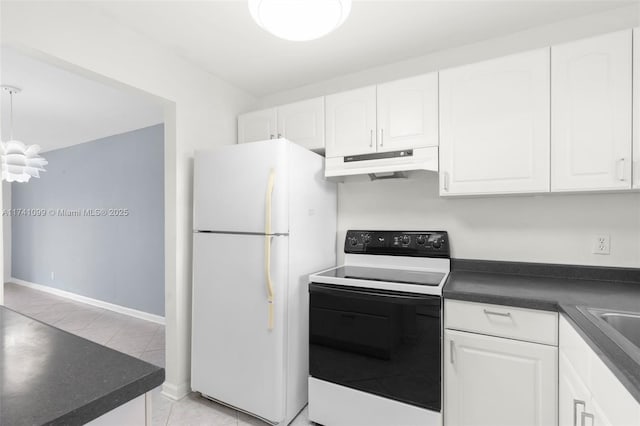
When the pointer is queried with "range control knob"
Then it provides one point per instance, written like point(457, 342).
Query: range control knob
point(366, 238)
point(437, 244)
point(421, 239)
point(406, 239)
point(353, 241)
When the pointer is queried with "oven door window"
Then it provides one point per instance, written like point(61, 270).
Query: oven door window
point(381, 342)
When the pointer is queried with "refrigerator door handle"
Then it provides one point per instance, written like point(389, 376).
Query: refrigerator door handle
point(267, 244)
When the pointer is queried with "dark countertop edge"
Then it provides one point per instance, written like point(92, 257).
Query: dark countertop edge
point(108, 402)
point(587, 330)
point(548, 270)
point(112, 400)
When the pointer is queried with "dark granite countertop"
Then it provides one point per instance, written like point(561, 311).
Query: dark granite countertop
point(560, 288)
point(51, 377)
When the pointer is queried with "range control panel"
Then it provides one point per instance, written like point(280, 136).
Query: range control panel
point(398, 243)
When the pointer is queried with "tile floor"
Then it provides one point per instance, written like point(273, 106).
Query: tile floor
point(138, 338)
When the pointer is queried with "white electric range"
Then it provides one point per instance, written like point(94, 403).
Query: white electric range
point(375, 331)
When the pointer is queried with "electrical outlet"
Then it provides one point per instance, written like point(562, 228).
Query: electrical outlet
point(53, 276)
point(602, 244)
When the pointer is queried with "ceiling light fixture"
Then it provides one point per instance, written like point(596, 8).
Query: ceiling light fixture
point(19, 162)
point(299, 20)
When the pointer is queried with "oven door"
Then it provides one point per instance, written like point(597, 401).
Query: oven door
point(378, 341)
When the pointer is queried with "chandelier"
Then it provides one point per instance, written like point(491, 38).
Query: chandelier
point(19, 161)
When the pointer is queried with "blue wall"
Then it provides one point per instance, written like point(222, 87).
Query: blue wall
point(115, 259)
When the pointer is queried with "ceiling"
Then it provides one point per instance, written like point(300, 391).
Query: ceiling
point(57, 108)
point(221, 37)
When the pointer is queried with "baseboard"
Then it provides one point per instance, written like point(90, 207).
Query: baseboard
point(89, 301)
point(175, 392)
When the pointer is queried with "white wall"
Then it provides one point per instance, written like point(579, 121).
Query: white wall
point(548, 228)
point(201, 112)
point(544, 228)
point(6, 231)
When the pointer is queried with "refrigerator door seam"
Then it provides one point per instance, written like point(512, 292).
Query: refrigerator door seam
point(202, 231)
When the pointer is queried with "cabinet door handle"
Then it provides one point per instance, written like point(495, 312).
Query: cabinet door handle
point(587, 415)
point(371, 140)
point(381, 137)
point(452, 348)
point(499, 314)
point(621, 170)
point(577, 402)
point(446, 181)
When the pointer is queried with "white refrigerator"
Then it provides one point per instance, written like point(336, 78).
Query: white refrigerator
point(264, 218)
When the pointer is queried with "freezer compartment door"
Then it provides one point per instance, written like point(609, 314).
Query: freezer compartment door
point(236, 357)
point(232, 191)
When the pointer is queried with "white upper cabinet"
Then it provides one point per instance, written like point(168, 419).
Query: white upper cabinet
point(258, 126)
point(591, 113)
point(636, 108)
point(494, 126)
point(408, 113)
point(351, 122)
point(303, 123)
point(300, 122)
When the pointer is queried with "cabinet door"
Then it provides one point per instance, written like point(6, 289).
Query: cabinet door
point(351, 122)
point(573, 395)
point(257, 126)
point(303, 123)
point(636, 108)
point(494, 126)
point(611, 402)
point(491, 381)
point(591, 113)
point(408, 113)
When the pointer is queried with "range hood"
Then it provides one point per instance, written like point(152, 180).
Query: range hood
point(383, 165)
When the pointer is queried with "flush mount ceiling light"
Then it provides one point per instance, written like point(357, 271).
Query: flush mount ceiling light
point(19, 162)
point(299, 20)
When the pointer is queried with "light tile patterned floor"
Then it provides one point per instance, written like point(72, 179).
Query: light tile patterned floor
point(138, 338)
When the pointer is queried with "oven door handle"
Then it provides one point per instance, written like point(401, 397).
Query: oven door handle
point(375, 294)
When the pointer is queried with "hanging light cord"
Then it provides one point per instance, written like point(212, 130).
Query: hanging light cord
point(11, 115)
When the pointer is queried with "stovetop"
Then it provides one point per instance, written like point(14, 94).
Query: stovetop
point(425, 278)
point(409, 261)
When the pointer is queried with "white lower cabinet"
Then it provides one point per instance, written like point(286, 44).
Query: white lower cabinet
point(494, 381)
point(572, 393)
point(500, 365)
point(589, 393)
point(136, 412)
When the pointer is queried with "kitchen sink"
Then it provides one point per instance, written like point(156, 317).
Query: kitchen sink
point(622, 327)
point(627, 324)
